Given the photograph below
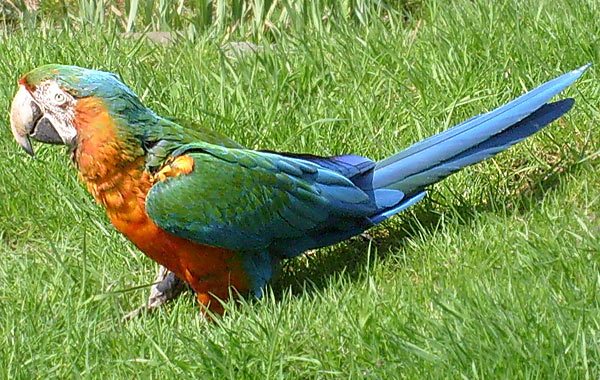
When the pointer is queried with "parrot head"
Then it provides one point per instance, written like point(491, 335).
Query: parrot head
point(45, 105)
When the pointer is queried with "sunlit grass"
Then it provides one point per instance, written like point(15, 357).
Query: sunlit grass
point(494, 275)
point(257, 19)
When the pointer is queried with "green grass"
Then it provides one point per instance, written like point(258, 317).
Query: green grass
point(257, 18)
point(495, 275)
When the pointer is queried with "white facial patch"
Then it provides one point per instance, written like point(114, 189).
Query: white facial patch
point(58, 107)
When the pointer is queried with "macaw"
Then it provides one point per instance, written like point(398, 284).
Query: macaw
point(219, 215)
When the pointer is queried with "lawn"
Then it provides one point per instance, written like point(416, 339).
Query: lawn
point(494, 275)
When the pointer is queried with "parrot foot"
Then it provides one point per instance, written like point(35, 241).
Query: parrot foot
point(166, 287)
point(367, 237)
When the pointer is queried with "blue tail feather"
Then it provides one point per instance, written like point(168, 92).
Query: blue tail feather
point(497, 143)
point(437, 149)
point(429, 161)
point(406, 203)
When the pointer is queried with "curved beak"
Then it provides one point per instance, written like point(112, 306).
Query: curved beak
point(28, 120)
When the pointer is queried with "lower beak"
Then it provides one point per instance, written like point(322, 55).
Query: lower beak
point(27, 119)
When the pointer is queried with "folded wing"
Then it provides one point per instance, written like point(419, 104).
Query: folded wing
point(245, 200)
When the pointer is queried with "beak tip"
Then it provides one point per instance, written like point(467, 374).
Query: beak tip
point(25, 143)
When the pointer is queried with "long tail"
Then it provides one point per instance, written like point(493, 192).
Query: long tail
point(472, 141)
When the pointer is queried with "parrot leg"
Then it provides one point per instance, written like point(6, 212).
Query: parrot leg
point(166, 287)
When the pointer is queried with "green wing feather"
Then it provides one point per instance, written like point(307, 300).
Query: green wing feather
point(245, 200)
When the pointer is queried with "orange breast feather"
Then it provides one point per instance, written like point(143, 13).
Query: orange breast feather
point(115, 175)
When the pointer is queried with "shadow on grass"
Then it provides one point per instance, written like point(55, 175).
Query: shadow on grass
point(313, 271)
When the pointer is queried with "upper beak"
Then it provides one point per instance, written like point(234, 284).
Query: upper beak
point(27, 119)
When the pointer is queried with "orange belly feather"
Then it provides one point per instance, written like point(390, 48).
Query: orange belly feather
point(118, 181)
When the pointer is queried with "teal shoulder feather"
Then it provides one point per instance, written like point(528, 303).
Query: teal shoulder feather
point(168, 135)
